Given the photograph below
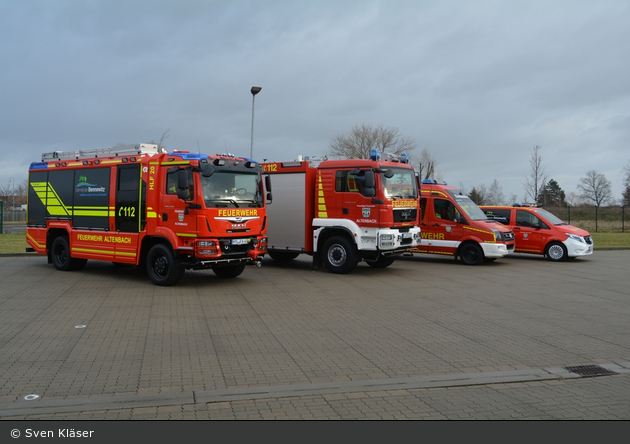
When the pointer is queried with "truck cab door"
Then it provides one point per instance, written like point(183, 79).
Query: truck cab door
point(441, 231)
point(357, 203)
point(176, 200)
point(530, 232)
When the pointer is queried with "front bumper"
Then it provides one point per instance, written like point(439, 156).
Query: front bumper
point(575, 248)
point(496, 250)
point(394, 239)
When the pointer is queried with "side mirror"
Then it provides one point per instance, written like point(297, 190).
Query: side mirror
point(208, 170)
point(182, 184)
point(368, 182)
point(269, 198)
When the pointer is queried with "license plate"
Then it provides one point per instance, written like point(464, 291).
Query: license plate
point(406, 235)
point(239, 241)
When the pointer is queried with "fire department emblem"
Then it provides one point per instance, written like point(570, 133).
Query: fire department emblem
point(366, 212)
point(181, 217)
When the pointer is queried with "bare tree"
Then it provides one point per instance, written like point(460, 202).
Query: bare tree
point(361, 140)
point(495, 194)
point(163, 137)
point(426, 165)
point(595, 187)
point(535, 183)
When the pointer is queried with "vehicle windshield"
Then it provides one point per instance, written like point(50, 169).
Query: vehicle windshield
point(402, 185)
point(467, 205)
point(238, 189)
point(550, 217)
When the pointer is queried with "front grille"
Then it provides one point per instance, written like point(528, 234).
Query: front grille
point(508, 237)
point(405, 215)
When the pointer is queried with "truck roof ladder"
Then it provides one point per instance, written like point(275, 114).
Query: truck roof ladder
point(118, 150)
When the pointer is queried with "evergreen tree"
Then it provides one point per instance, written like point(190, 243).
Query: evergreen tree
point(551, 194)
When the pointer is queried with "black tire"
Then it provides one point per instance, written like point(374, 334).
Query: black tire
point(229, 272)
point(556, 251)
point(60, 253)
point(471, 254)
point(381, 261)
point(339, 255)
point(282, 256)
point(163, 267)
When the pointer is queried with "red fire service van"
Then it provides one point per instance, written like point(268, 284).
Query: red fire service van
point(453, 225)
point(343, 211)
point(135, 204)
point(537, 231)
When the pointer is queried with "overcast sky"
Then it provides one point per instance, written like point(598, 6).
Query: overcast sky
point(476, 83)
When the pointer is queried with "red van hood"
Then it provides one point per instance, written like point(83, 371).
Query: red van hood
point(573, 230)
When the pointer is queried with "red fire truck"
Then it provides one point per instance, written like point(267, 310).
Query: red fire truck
point(136, 204)
point(343, 211)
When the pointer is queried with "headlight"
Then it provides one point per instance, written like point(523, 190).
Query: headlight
point(497, 235)
point(575, 237)
point(205, 243)
point(387, 237)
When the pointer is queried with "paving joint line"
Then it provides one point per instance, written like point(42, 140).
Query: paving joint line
point(130, 401)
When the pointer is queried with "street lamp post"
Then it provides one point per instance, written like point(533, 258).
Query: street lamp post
point(255, 90)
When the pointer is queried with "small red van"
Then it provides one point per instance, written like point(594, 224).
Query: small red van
point(537, 231)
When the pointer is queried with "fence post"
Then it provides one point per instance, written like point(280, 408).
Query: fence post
point(623, 218)
point(596, 207)
point(569, 214)
point(1, 216)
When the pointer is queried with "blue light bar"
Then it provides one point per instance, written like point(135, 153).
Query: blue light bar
point(374, 155)
point(38, 166)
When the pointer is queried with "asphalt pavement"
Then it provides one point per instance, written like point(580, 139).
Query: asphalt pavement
point(427, 338)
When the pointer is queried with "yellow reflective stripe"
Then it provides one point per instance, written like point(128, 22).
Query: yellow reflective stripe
point(151, 215)
point(91, 211)
point(322, 211)
point(35, 242)
point(186, 235)
point(53, 203)
point(177, 162)
point(117, 253)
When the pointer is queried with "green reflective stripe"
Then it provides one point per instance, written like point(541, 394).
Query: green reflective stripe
point(50, 199)
point(56, 207)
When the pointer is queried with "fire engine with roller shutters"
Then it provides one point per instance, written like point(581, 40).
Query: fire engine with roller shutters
point(139, 205)
point(343, 211)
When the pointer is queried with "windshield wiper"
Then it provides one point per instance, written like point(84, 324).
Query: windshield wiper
point(232, 201)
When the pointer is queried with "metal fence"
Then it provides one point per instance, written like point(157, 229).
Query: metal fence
point(11, 221)
point(610, 219)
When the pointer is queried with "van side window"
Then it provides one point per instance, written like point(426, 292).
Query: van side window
point(527, 219)
point(444, 209)
point(502, 216)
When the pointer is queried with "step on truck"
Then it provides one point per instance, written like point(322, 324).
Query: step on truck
point(343, 211)
point(453, 225)
point(139, 205)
